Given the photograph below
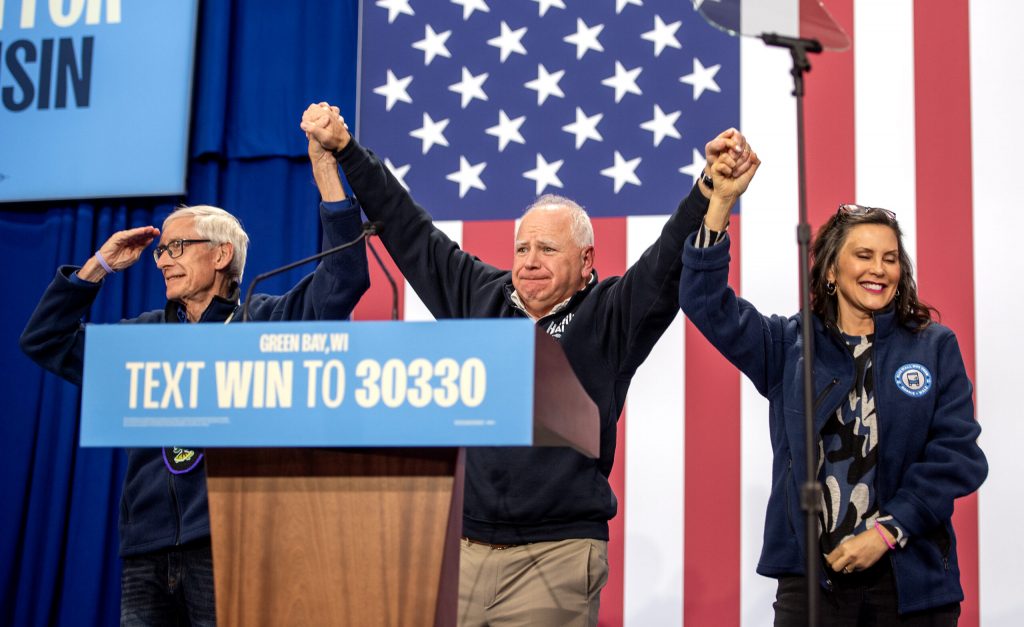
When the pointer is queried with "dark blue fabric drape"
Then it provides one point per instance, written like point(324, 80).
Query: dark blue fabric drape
point(259, 63)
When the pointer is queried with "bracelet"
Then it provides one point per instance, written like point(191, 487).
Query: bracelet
point(103, 263)
point(878, 528)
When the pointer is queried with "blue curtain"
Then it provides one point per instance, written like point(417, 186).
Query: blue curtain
point(259, 63)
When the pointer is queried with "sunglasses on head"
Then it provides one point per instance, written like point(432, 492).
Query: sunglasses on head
point(852, 209)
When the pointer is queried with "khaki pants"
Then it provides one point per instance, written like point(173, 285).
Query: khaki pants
point(539, 584)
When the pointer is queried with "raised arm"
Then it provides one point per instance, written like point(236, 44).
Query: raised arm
point(643, 303)
point(340, 280)
point(118, 253)
point(325, 166)
point(444, 276)
point(54, 336)
point(750, 341)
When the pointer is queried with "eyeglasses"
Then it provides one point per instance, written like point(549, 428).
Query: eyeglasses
point(175, 248)
point(852, 209)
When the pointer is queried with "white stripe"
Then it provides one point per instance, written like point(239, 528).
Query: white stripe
point(769, 213)
point(653, 568)
point(781, 17)
point(414, 307)
point(997, 128)
point(884, 111)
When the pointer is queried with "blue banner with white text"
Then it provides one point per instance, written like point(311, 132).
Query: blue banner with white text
point(446, 383)
point(95, 97)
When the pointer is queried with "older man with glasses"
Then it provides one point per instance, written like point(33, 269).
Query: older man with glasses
point(164, 522)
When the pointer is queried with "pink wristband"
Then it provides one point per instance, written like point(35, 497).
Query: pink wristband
point(103, 263)
point(878, 528)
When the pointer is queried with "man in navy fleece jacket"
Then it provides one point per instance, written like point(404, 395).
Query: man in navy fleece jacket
point(164, 524)
point(535, 520)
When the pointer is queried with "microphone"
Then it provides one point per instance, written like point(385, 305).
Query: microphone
point(375, 228)
point(369, 228)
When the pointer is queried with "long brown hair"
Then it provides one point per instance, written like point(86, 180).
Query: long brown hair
point(910, 311)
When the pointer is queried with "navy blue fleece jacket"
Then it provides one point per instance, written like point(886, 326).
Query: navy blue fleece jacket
point(928, 450)
point(518, 495)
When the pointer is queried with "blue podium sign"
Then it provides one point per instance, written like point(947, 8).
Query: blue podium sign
point(446, 383)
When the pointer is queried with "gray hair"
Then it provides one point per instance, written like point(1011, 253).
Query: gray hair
point(579, 222)
point(218, 226)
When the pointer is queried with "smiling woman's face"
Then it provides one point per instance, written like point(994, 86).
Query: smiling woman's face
point(867, 273)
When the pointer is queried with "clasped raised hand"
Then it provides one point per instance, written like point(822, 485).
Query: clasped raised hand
point(325, 129)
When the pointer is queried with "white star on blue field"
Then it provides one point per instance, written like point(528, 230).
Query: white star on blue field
point(479, 105)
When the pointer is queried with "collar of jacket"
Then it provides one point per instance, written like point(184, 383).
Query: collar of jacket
point(885, 323)
point(567, 305)
point(217, 311)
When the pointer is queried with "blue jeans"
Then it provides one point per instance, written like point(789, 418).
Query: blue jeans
point(168, 588)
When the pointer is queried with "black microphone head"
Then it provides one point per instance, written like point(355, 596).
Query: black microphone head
point(373, 228)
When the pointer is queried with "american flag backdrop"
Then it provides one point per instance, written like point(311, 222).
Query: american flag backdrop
point(480, 105)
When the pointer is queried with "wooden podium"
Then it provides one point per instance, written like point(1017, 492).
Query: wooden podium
point(336, 536)
point(334, 450)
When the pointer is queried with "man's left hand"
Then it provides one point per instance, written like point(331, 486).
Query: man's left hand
point(324, 125)
point(319, 115)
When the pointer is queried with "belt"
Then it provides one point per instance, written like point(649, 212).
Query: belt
point(491, 545)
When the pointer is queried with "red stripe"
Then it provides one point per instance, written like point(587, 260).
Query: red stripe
point(945, 256)
point(610, 246)
point(829, 125)
point(376, 303)
point(490, 240)
point(610, 260)
point(711, 526)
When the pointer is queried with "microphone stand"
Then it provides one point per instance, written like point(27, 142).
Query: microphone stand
point(374, 228)
point(368, 229)
point(810, 494)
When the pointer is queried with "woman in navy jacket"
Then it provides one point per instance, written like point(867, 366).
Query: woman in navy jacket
point(897, 438)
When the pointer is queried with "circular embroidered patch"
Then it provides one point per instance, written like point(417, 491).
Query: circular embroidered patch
point(913, 380)
point(181, 460)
